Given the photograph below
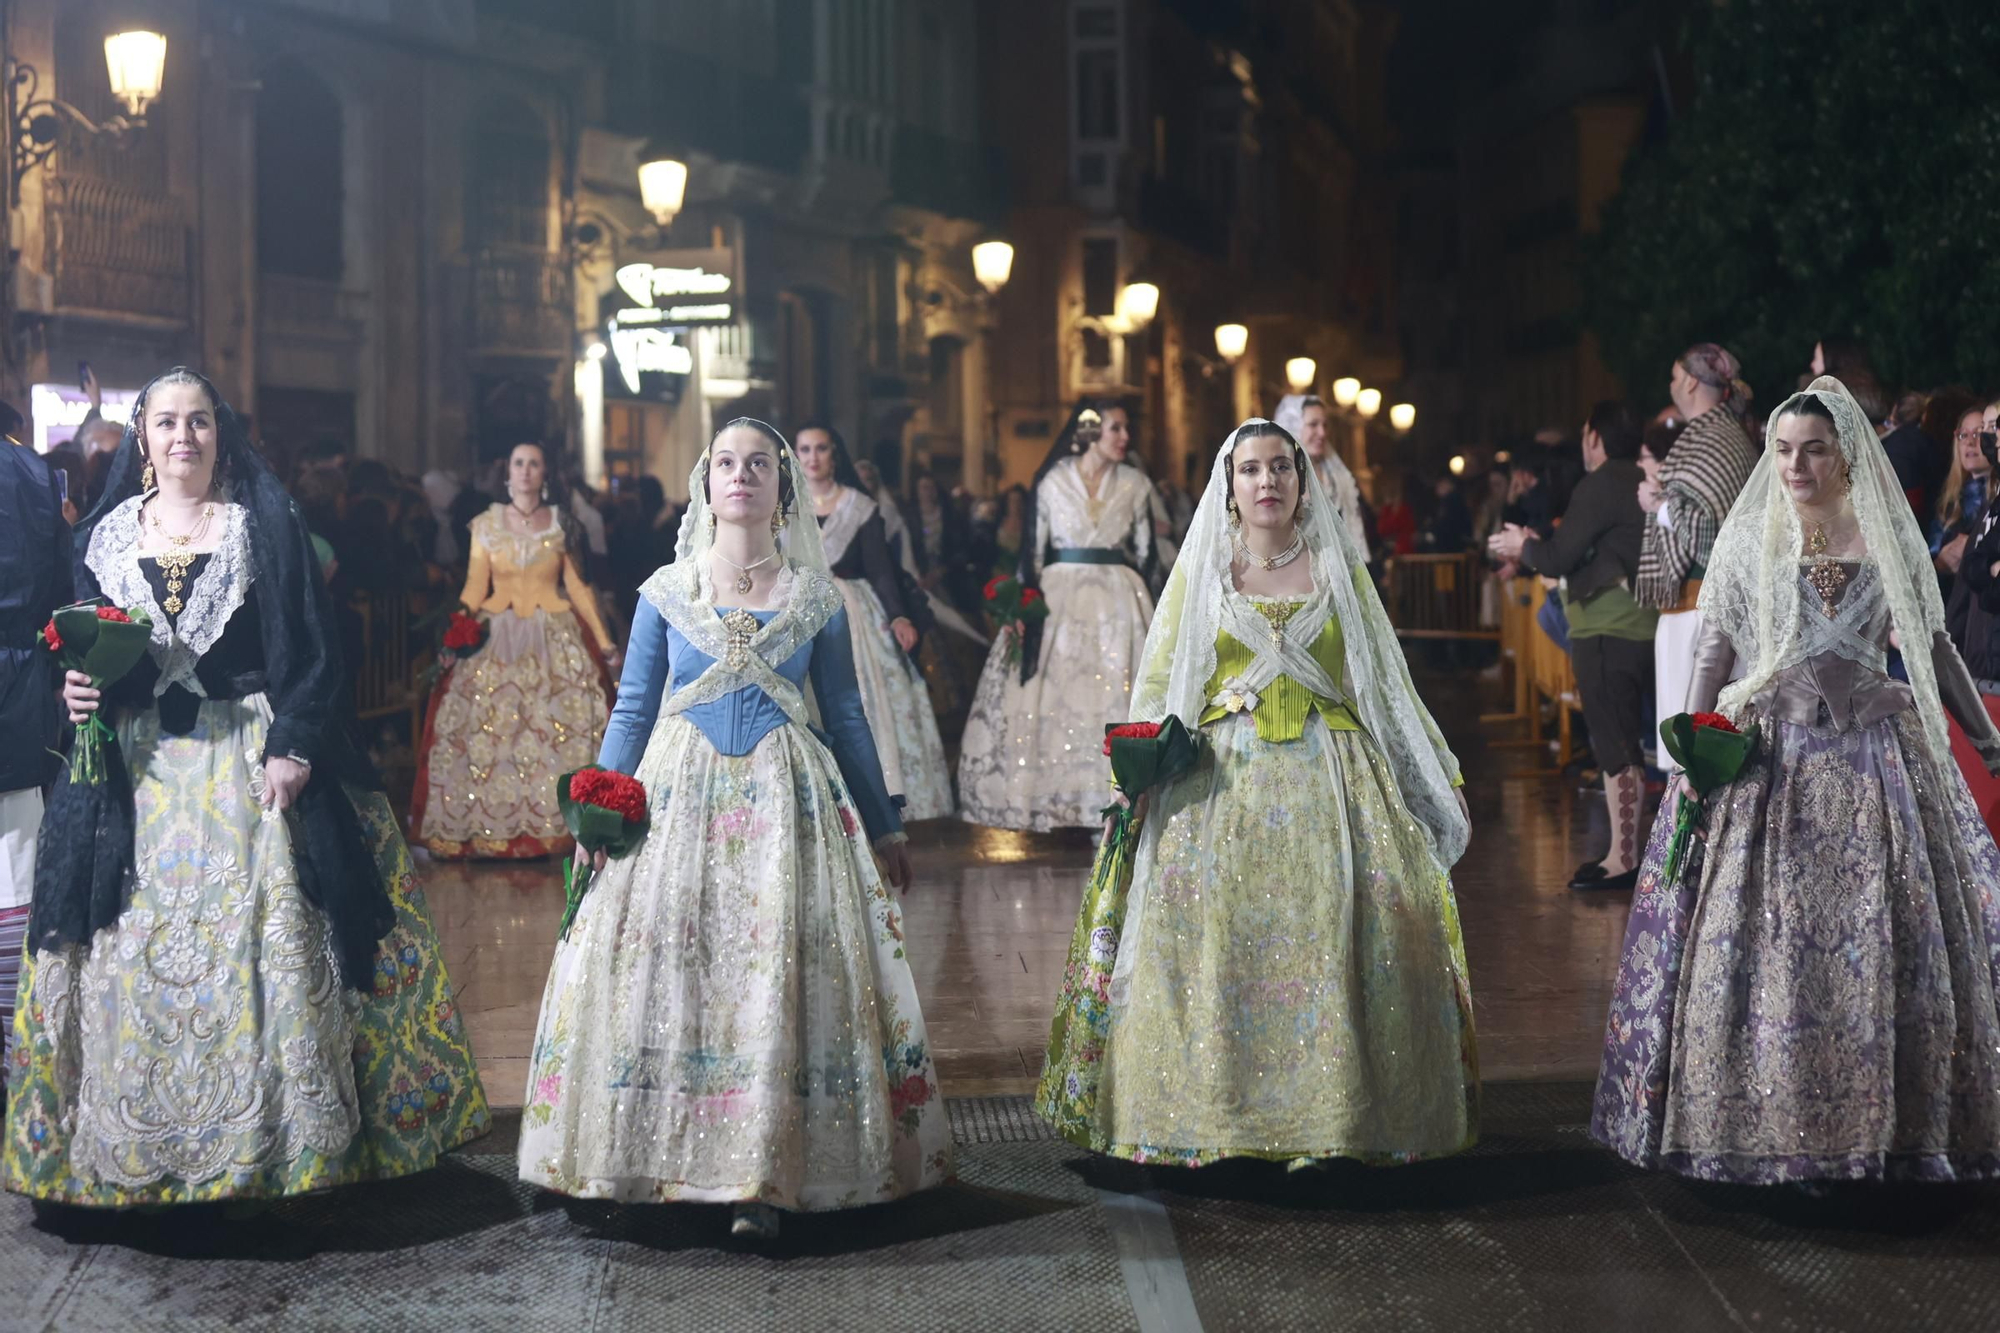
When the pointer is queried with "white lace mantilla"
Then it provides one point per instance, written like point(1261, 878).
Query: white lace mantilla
point(114, 559)
point(1122, 513)
point(746, 655)
point(844, 524)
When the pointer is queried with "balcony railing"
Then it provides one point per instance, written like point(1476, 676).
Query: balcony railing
point(520, 304)
point(115, 250)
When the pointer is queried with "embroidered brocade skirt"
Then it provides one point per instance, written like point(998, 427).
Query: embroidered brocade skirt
point(732, 1017)
point(1300, 987)
point(898, 705)
point(1032, 756)
point(203, 1047)
point(502, 726)
point(1815, 998)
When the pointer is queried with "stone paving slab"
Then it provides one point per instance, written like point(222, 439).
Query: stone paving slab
point(1537, 1229)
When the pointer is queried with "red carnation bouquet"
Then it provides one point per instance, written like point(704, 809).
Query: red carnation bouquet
point(1144, 755)
point(605, 811)
point(1711, 752)
point(1012, 608)
point(464, 634)
point(104, 643)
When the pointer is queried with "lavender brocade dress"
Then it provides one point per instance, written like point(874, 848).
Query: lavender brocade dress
point(1815, 998)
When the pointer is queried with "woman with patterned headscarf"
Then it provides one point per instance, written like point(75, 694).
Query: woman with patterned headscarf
point(1685, 507)
point(1817, 996)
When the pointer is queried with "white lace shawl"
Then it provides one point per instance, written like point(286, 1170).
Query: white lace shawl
point(113, 559)
point(850, 514)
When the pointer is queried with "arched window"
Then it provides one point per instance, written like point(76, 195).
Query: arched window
point(507, 196)
point(299, 182)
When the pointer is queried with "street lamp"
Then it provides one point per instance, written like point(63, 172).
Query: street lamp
point(1299, 373)
point(1345, 390)
point(1138, 302)
point(1403, 416)
point(1457, 465)
point(1368, 402)
point(663, 186)
point(1231, 340)
point(992, 264)
point(136, 63)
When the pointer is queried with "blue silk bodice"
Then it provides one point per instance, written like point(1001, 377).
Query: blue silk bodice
point(659, 657)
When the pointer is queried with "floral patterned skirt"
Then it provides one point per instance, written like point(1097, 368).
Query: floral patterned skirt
point(203, 1048)
point(732, 1017)
point(1032, 755)
point(1299, 987)
point(501, 727)
point(1815, 997)
point(898, 705)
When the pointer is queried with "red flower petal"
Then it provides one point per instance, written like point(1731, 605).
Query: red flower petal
point(1714, 720)
point(111, 613)
point(51, 638)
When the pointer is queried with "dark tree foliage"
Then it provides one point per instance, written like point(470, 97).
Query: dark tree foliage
point(1838, 175)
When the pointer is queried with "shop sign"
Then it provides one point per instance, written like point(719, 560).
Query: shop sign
point(678, 288)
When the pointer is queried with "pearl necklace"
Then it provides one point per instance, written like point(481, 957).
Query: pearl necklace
point(1278, 561)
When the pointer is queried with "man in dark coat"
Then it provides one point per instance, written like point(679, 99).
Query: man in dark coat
point(35, 579)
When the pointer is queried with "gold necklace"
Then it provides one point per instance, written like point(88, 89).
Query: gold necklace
point(743, 579)
point(1827, 575)
point(174, 564)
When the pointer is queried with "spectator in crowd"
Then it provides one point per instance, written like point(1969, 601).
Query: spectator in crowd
point(1686, 505)
point(1916, 461)
point(1395, 522)
point(1962, 501)
point(1595, 550)
point(441, 491)
point(1972, 617)
point(1527, 493)
point(1449, 529)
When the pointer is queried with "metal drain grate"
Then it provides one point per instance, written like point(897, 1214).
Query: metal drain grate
point(996, 1120)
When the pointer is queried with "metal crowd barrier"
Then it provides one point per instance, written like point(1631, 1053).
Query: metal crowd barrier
point(1436, 596)
point(387, 668)
point(1540, 672)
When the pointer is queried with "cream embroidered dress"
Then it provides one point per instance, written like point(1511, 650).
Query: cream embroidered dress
point(893, 692)
point(732, 1017)
point(1032, 754)
point(203, 1046)
point(530, 705)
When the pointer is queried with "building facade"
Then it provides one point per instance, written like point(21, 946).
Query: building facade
point(413, 229)
point(1230, 154)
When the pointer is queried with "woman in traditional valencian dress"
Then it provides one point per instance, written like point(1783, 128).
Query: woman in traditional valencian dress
point(1281, 976)
point(893, 693)
point(731, 1019)
point(529, 705)
point(1813, 999)
point(232, 989)
point(1030, 755)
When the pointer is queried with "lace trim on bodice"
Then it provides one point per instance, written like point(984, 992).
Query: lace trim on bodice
point(177, 647)
point(1076, 520)
point(1848, 630)
point(841, 527)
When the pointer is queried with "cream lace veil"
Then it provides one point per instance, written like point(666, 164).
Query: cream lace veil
point(1755, 588)
point(799, 542)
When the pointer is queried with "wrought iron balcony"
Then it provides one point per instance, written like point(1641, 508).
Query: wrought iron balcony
point(115, 252)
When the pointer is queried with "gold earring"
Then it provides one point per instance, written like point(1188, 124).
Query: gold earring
point(711, 522)
point(777, 520)
point(1235, 518)
point(146, 479)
